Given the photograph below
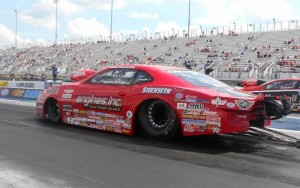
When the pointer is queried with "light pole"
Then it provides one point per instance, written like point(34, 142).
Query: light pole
point(146, 34)
point(274, 23)
point(56, 2)
point(111, 18)
point(189, 19)
point(16, 33)
point(234, 27)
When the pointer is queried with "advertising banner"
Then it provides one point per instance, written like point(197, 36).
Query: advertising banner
point(3, 83)
point(27, 84)
point(19, 93)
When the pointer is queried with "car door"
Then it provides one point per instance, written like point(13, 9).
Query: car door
point(105, 102)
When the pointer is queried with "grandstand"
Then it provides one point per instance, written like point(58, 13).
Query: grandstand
point(231, 55)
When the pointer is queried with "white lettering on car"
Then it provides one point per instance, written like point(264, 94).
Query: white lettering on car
point(156, 90)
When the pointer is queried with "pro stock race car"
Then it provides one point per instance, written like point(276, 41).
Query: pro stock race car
point(288, 87)
point(162, 101)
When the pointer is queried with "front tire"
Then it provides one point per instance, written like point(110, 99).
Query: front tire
point(53, 111)
point(158, 120)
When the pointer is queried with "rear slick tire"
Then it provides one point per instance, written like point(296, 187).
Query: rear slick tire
point(158, 120)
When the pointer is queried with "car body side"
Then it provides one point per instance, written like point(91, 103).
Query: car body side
point(200, 110)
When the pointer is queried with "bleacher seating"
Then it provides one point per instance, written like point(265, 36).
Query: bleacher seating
point(234, 56)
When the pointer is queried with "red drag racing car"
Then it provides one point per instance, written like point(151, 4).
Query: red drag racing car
point(288, 87)
point(162, 101)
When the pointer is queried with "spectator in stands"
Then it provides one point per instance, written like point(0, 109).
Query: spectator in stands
point(43, 77)
point(54, 73)
point(277, 72)
point(12, 77)
point(208, 71)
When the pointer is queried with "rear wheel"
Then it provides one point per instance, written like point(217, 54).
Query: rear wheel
point(158, 119)
point(53, 111)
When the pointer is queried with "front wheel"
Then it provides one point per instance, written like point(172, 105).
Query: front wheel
point(158, 119)
point(53, 111)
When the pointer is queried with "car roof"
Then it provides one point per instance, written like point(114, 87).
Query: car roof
point(148, 67)
point(282, 79)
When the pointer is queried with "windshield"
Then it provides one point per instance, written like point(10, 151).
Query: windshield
point(198, 79)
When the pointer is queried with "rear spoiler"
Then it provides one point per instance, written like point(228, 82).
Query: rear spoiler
point(250, 82)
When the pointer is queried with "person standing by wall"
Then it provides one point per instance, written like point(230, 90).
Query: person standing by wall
point(54, 73)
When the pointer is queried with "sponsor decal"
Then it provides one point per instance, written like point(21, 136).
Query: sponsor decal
point(126, 126)
point(108, 122)
point(129, 114)
point(188, 128)
point(109, 128)
point(76, 122)
point(218, 101)
point(216, 130)
point(120, 120)
point(190, 100)
point(70, 120)
point(66, 96)
point(181, 106)
point(100, 103)
point(67, 106)
point(68, 91)
point(243, 116)
point(217, 123)
point(52, 91)
point(156, 90)
point(125, 131)
point(202, 100)
point(178, 95)
point(191, 116)
point(91, 120)
point(230, 105)
point(83, 119)
point(207, 112)
point(213, 118)
point(244, 104)
point(82, 112)
point(99, 122)
point(107, 101)
point(199, 128)
point(191, 111)
point(195, 106)
point(191, 97)
point(193, 122)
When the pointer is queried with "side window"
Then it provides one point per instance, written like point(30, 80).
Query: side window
point(103, 78)
point(142, 77)
point(282, 85)
point(289, 85)
point(114, 77)
point(274, 85)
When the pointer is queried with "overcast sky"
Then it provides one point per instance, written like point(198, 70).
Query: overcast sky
point(89, 18)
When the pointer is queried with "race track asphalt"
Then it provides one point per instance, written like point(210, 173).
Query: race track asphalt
point(37, 153)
